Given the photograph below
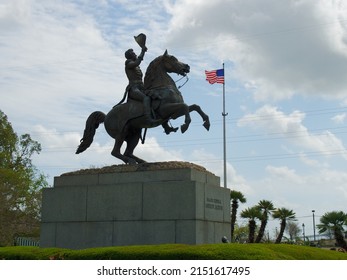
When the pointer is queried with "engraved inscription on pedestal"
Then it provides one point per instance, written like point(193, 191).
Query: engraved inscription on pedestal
point(214, 203)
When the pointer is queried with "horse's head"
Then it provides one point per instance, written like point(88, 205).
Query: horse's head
point(156, 75)
point(173, 65)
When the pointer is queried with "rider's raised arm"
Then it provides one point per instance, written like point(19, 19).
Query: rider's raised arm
point(137, 61)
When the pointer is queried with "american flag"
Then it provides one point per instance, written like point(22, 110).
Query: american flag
point(215, 76)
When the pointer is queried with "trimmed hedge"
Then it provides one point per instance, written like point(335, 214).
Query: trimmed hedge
point(176, 252)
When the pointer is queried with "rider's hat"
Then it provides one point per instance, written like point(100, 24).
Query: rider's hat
point(141, 40)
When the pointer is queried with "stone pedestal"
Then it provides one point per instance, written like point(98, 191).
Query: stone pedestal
point(107, 207)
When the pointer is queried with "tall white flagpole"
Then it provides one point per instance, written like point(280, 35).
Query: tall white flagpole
point(224, 134)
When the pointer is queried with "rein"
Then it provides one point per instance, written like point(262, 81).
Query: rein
point(187, 79)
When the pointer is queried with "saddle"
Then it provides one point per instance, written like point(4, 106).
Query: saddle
point(131, 110)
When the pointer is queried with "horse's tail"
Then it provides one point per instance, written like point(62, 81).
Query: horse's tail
point(92, 124)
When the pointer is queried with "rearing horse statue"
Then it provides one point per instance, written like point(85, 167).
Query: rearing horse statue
point(125, 121)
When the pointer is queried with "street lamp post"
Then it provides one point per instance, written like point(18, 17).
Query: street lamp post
point(314, 226)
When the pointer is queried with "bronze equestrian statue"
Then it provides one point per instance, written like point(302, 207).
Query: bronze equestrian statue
point(125, 121)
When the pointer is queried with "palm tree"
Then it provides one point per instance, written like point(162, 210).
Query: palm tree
point(334, 221)
point(235, 198)
point(251, 214)
point(284, 215)
point(265, 206)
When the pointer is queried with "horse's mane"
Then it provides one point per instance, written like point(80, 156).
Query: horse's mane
point(152, 71)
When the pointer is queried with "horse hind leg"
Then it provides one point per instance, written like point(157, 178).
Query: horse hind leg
point(132, 142)
point(117, 153)
point(187, 119)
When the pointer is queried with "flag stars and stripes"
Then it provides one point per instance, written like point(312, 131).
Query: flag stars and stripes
point(215, 76)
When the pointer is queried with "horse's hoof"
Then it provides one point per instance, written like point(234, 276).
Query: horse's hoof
point(131, 161)
point(184, 128)
point(207, 125)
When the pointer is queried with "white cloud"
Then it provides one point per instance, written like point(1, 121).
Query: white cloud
point(291, 128)
point(58, 152)
point(238, 182)
point(61, 64)
point(152, 151)
point(339, 119)
point(284, 174)
point(277, 48)
point(311, 162)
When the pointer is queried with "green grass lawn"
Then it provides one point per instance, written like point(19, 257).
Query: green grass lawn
point(176, 252)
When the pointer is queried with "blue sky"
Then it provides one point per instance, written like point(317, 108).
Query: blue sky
point(286, 97)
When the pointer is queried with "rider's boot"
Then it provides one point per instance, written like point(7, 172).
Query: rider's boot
point(168, 129)
point(148, 116)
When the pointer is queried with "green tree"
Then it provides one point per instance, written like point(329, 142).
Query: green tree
point(283, 215)
point(241, 233)
point(20, 184)
point(334, 221)
point(251, 214)
point(235, 198)
point(293, 230)
point(265, 206)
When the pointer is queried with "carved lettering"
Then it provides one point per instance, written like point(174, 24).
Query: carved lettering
point(213, 203)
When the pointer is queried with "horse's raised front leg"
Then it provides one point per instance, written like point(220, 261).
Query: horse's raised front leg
point(174, 111)
point(204, 117)
point(187, 120)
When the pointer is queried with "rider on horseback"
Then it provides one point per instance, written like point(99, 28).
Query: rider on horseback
point(136, 90)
